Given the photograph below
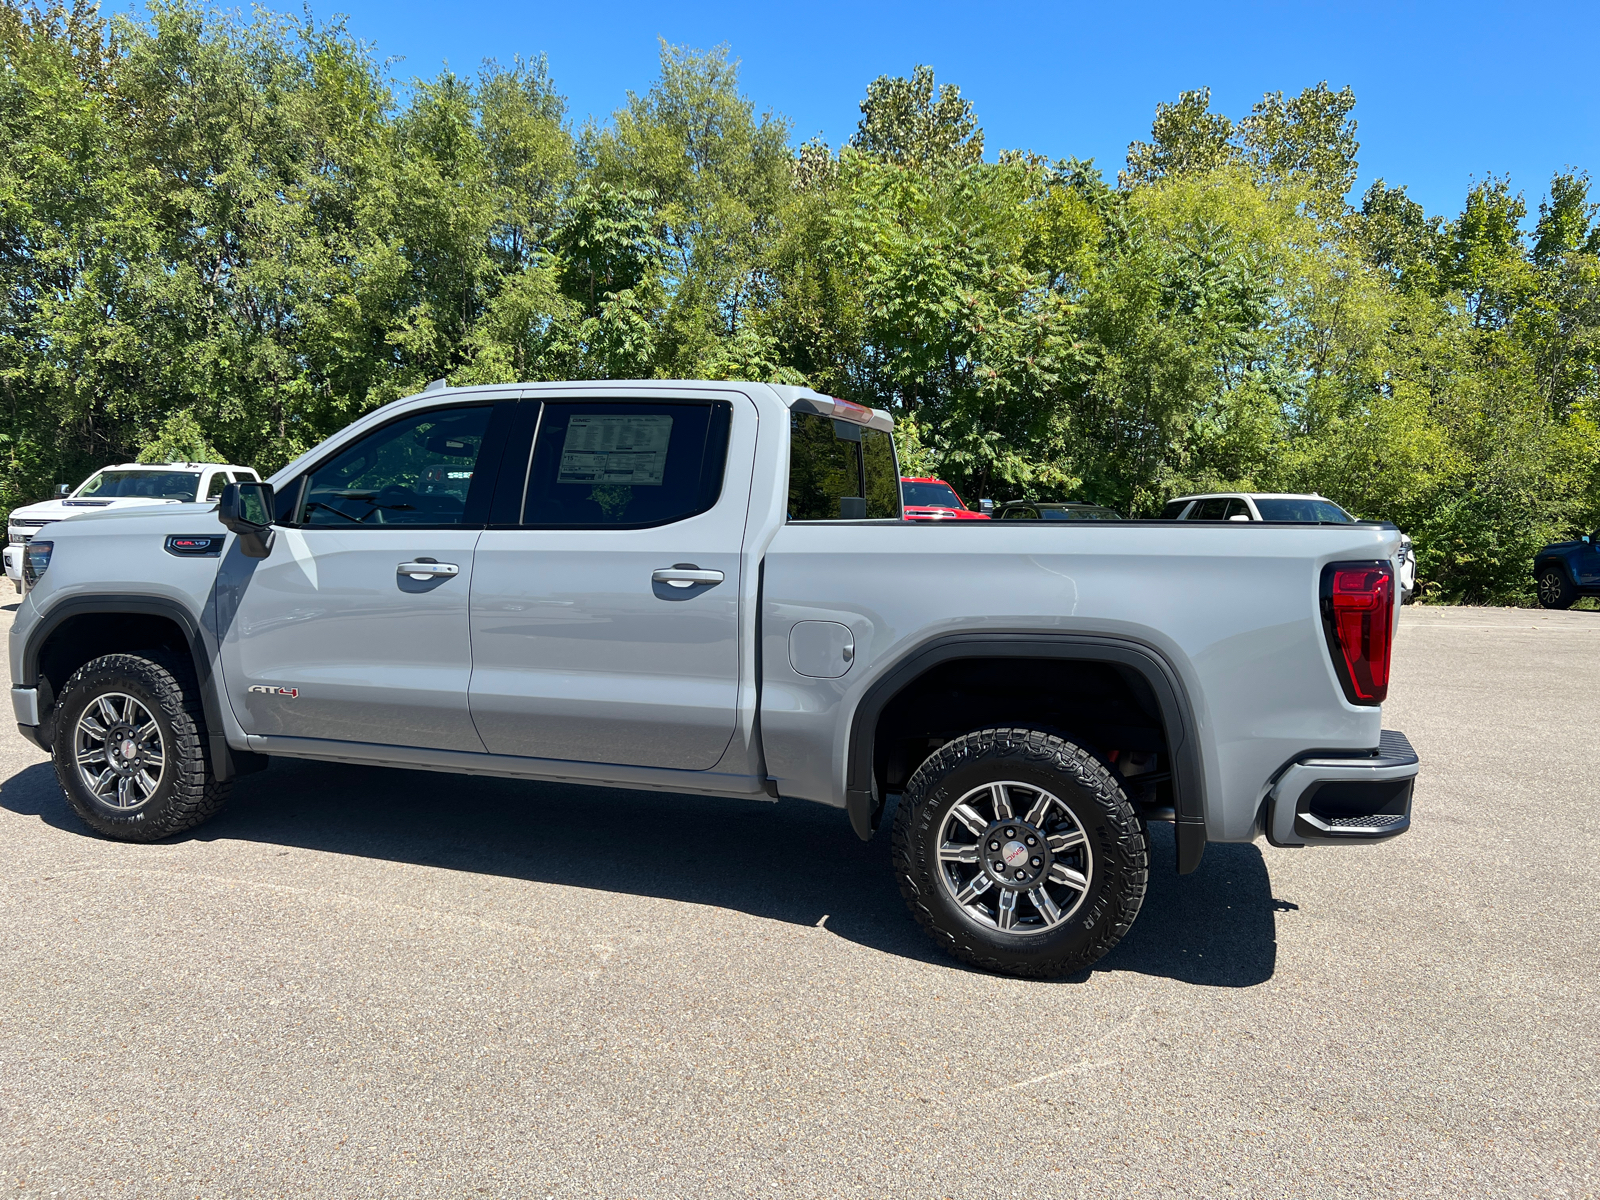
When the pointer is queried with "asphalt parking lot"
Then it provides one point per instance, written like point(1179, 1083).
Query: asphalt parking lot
point(369, 982)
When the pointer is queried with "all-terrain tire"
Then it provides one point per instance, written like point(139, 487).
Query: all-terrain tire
point(1555, 589)
point(187, 792)
point(1116, 850)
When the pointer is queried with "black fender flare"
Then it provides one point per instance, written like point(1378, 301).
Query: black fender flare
point(1554, 560)
point(226, 762)
point(1177, 716)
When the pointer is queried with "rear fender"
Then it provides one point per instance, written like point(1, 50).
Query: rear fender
point(863, 803)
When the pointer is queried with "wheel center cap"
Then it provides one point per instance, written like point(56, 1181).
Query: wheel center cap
point(1015, 854)
point(128, 749)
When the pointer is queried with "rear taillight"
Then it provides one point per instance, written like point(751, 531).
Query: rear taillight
point(1357, 615)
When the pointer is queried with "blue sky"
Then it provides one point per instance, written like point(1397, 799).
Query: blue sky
point(1445, 91)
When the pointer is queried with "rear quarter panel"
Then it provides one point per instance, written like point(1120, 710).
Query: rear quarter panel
point(1233, 609)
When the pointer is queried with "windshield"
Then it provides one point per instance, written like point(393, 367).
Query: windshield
point(1313, 511)
point(153, 485)
point(930, 495)
point(1079, 514)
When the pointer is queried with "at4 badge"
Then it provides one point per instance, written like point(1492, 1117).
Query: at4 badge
point(265, 690)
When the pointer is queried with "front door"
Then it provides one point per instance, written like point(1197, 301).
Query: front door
point(605, 624)
point(354, 629)
point(1587, 562)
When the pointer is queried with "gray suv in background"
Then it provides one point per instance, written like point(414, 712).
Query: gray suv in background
point(708, 587)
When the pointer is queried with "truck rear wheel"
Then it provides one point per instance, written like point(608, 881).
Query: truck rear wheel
point(129, 748)
point(1019, 853)
point(1555, 589)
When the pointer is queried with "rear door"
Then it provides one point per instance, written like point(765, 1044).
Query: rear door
point(606, 593)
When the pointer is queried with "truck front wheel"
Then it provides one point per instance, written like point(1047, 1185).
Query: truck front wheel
point(1019, 853)
point(129, 748)
point(1555, 589)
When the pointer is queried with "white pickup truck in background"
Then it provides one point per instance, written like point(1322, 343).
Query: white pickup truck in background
point(709, 588)
point(126, 485)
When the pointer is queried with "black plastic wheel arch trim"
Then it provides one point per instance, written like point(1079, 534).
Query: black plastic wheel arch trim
point(1177, 716)
point(226, 762)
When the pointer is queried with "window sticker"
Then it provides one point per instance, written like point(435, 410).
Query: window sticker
point(618, 448)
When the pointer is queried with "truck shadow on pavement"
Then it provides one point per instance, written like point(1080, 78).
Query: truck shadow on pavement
point(792, 862)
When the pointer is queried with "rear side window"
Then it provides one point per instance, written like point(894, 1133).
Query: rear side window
point(1303, 510)
point(625, 466)
point(1210, 510)
point(219, 480)
point(1174, 510)
point(839, 470)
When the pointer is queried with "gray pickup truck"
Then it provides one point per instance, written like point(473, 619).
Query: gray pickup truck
point(708, 588)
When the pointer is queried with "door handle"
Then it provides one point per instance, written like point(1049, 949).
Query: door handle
point(685, 575)
point(427, 569)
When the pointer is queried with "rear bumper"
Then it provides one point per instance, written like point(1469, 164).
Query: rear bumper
point(1326, 799)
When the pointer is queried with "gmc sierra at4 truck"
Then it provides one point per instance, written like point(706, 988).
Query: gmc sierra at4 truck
point(709, 588)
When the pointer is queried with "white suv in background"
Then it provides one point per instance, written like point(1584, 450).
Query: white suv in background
point(126, 485)
point(1289, 508)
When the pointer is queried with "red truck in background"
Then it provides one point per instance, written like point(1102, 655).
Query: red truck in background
point(927, 499)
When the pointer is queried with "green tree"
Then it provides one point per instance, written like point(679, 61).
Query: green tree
point(914, 123)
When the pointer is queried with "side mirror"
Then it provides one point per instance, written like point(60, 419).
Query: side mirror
point(986, 506)
point(63, 490)
point(246, 509)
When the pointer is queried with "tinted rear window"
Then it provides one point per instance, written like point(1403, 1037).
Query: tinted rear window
point(1316, 511)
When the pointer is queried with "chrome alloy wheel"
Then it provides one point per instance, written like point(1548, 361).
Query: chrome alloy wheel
point(119, 751)
point(1014, 857)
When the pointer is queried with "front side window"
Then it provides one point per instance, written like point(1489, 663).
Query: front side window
point(623, 465)
point(416, 471)
point(839, 470)
point(153, 485)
